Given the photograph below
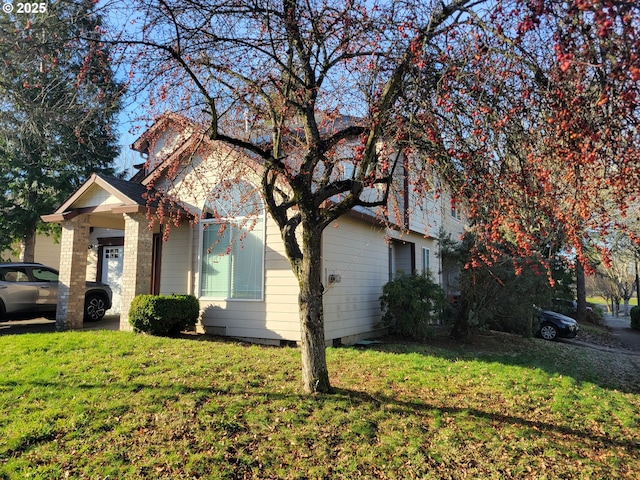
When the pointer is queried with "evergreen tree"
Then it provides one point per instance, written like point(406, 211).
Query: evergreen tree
point(59, 101)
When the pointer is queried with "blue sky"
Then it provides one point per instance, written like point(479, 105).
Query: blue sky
point(127, 157)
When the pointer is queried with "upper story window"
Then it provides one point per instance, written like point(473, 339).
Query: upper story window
point(232, 243)
point(455, 211)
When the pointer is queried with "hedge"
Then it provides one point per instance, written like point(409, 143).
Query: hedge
point(163, 314)
point(635, 318)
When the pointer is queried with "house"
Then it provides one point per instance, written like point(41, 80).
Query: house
point(47, 251)
point(245, 287)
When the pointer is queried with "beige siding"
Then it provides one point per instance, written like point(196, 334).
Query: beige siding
point(453, 225)
point(357, 253)
point(425, 214)
point(96, 196)
point(175, 268)
point(274, 318)
point(47, 252)
point(200, 175)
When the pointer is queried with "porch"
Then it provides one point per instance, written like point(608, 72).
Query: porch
point(104, 202)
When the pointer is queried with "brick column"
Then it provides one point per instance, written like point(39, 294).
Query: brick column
point(136, 267)
point(74, 244)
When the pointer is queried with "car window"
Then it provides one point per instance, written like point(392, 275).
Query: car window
point(44, 275)
point(14, 274)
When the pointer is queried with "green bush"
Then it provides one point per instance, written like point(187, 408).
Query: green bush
point(163, 314)
point(595, 315)
point(635, 318)
point(412, 303)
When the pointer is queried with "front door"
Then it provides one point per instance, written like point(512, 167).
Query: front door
point(112, 273)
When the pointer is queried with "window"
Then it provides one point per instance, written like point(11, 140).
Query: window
point(426, 261)
point(14, 274)
point(392, 264)
point(44, 275)
point(455, 212)
point(232, 239)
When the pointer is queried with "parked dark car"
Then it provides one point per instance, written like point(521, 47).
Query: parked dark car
point(553, 325)
point(31, 289)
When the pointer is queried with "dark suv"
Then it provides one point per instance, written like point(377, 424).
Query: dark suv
point(31, 289)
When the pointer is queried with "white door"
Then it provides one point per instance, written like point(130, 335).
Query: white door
point(112, 274)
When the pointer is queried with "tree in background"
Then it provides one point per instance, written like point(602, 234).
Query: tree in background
point(59, 104)
point(618, 277)
point(525, 110)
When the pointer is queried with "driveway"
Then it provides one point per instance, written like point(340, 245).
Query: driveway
point(42, 325)
point(620, 328)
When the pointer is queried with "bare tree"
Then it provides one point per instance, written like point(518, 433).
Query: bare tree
point(619, 271)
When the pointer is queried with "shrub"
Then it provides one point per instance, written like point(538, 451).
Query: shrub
point(412, 303)
point(163, 314)
point(635, 318)
point(595, 315)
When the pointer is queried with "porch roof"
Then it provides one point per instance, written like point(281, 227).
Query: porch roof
point(104, 199)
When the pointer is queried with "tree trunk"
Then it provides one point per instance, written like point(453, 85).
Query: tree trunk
point(28, 247)
point(637, 282)
point(581, 293)
point(315, 374)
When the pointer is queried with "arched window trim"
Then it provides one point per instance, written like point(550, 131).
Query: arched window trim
point(244, 223)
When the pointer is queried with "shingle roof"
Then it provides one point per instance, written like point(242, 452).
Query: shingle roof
point(133, 190)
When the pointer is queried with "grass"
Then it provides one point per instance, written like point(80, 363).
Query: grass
point(106, 404)
point(603, 301)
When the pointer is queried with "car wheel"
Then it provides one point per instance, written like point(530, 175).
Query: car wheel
point(94, 308)
point(548, 331)
point(2, 310)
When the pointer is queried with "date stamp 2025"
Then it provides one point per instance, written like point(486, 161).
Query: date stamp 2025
point(24, 8)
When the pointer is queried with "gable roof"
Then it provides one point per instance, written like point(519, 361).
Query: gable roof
point(194, 137)
point(134, 192)
point(104, 194)
point(196, 134)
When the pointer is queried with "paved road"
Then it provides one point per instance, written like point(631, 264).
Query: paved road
point(42, 325)
point(620, 327)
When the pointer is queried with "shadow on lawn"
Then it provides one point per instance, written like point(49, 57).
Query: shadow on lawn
point(540, 428)
point(614, 370)
point(359, 401)
point(608, 369)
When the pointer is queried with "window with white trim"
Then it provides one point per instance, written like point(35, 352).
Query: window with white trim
point(232, 243)
point(426, 260)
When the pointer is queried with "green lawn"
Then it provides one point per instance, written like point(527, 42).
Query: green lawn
point(118, 405)
point(603, 302)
